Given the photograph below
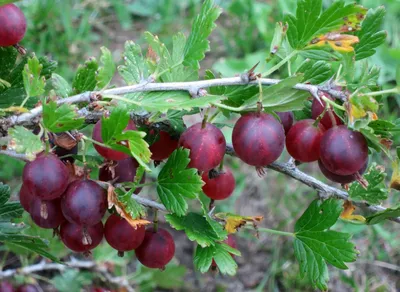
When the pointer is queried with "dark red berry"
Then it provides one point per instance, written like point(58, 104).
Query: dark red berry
point(25, 197)
point(258, 139)
point(28, 288)
point(121, 235)
point(231, 241)
point(157, 249)
point(12, 25)
point(81, 239)
point(304, 139)
point(207, 146)
point(219, 187)
point(163, 147)
point(98, 289)
point(343, 151)
point(84, 202)
point(6, 287)
point(286, 120)
point(317, 108)
point(46, 214)
point(108, 153)
point(342, 179)
point(46, 177)
point(124, 171)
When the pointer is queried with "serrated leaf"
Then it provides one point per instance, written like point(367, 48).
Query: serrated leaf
point(60, 119)
point(107, 69)
point(315, 245)
point(130, 206)
point(279, 36)
point(5, 193)
point(204, 256)
point(24, 141)
point(60, 86)
point(134, 69)
point(163, 101)
point(138, 147)
point(376, 190)
point(233, 221)
point(197, 43)
point(374, 141)
point(315, 72)
point(34, 83)
point(10, 211)
point(196, 228)
point(85, 77)
point(384, 215)
point(175, 182)
point(370, 35)
point(114, 124)
point(321, 54)
point(310, 22)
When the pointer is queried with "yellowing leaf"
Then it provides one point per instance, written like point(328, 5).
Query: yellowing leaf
point(121, 208)
point(233, 222)
point(15, 109)
point(347, 214)
point(339, 42)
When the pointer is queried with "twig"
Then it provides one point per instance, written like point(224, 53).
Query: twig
point(14, 155)
point(87, 97)
point(74, 264)
point(288, 169)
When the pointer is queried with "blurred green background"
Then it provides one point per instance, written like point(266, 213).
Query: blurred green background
point(71, 31)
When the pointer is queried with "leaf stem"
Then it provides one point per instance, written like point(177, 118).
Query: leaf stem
point(273, 231)
point(121, 98)
point(387, 91)
point(214, 116)
point(155, 220)
point(332, 103)
point(95, 142)
point(168, 69)
point(280, 64)
point(227, 107)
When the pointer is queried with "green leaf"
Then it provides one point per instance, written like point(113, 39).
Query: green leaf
point(197, 44)
point(314, 245)
point(370, 36)
point(60, 86)
point(196, 228)
point(72, 280)
point(106, 72)
point(376, 190)
point(321, 55)
point(134, 69)
point(23, 140)
point(132, 207)
point(33, 81)
point(114, 125)
point(163, 101)
point(398, 75)
point(279, 36)
point(5, 193)
point(384, 215)
point(219, 252)
point(315, 72)
point(62, 118)
point(10, 211)
point(310, 23)
point(175, 119)
point(138, 147)
point(85, 77)
point(175, 182)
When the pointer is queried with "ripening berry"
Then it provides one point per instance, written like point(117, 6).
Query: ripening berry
point(343, 151)
point(342, 179)
point(219, 187)
point(28, 288)
point(258, 139)
point(12, 25)
point(81, 239)
point(286, 120)
point(304, 139)
point(46, 214)
point(121, 235)
point(108, 153)
point(163, 147)
point(207, 146)
point(25, 197)
point(84, 202)
point(46, 177)
point(6, 287)
point(317, 108)
point(157, 249)
point(124, 171)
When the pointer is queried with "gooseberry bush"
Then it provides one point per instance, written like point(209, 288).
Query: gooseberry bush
point(324, 110)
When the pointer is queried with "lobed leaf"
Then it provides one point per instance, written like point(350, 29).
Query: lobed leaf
point(33, 81)
point(384, 215)
point(134, 69)
point(24, 141)
point(62, 118)
point(315, 72)
point(85, 77)
point(106, 72)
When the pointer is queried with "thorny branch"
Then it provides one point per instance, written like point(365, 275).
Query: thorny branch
point(87, 97)
point(73, 263)
point(288, 169)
